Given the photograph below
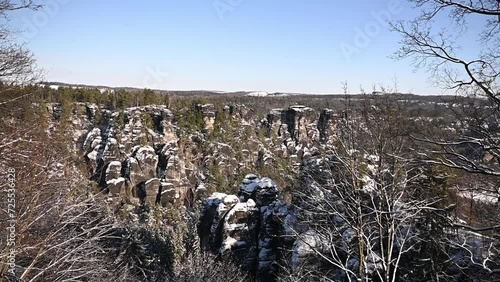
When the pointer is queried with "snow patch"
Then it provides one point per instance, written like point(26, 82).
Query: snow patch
point(258, 94)
point(115, 181)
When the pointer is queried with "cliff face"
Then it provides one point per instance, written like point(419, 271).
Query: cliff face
point(144, 155)
point(135, 154)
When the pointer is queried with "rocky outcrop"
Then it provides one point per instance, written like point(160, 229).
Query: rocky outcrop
point(295, 132)
point(137, 155)
point(297, 122)
point(208, 113)
point(241, 112)
point(126, 149)
point(327, 126)
point(251, 226)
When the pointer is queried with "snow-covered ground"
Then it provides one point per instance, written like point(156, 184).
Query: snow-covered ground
point(480, 196)
point(266, 94)
point(258, 94)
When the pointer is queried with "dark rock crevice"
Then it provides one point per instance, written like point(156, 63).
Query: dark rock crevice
point(323, 120)
point(288, 117)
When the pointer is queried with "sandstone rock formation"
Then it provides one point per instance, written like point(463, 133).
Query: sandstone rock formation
point(251, 226)
point(139, 156)
point(127, 149)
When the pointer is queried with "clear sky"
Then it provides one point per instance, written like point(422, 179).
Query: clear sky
point(301, 46)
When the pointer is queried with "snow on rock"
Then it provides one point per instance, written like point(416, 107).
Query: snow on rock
point(215, 198)
point(90, 141)
point(231, 200)
point(248, 186)
point(92, 155)
point(228, 243)
point(262, 190)
point(305, 246)
point(113, 170)
point(250, 226)
point(115, 186)
point(237, 214)
point(145, 152)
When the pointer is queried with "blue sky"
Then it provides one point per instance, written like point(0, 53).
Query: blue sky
point(256, 45)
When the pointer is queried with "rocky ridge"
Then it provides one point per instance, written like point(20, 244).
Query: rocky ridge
point(141, 154)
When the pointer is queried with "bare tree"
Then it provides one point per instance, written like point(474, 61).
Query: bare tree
point(373, 213)
point(53, 218)
point(204, 267)
point(471, 143)
point(438, 51)
point(61, 228)
point(360, 213)
point(17, 64)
